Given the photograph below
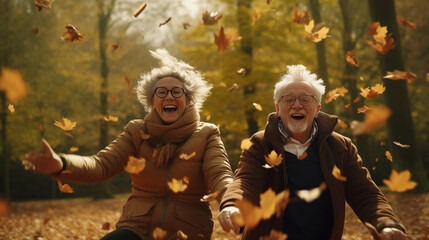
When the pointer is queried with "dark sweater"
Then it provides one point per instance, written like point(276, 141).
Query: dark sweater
point(307, 220)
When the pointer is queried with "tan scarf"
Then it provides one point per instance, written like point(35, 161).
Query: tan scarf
point(166, 139)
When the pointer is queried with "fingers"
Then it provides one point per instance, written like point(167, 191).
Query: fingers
point(47, 147)
point(227, 219)
point(392, 234)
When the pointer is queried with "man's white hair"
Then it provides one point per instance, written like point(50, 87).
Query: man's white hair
point(299, 73)
point(196, 87)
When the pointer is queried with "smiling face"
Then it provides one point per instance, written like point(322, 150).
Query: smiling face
point(298, 119)
point(169, 108)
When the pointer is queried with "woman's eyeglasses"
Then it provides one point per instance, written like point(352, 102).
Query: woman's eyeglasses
point(176, 92)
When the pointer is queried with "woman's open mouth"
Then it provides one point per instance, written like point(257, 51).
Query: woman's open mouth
point(169, 109)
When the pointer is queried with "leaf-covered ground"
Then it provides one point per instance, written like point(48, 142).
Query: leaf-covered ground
point(87, 219)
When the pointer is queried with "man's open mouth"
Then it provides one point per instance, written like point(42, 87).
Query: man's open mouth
point(297, 116)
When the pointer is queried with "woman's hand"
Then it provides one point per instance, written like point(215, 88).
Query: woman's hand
point(48, 162)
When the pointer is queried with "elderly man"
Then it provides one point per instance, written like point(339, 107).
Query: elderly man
point(310, 149)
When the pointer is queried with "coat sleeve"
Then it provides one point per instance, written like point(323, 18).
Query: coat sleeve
point(106, 163)
point(363, 195)
point(249, 179)
point(216, 167)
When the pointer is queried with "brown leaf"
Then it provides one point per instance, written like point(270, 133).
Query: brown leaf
point(114, 46)
point(336, 172)
point(350, 58)
point(223, 40)
point(210, 18)
point(12, 84)
point(40, 4)
point(300, 17)
point(232, 88)
point(186, 25)
point(399, 75)
point(406, 23)
point(373, 92)
point(139, 10)
point(72, 34)
point(4, 207)
point(65, 188)
point(106, 226)
point(165, 22)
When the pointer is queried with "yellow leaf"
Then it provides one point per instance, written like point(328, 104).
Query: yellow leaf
point(65, 124)
point(336, 172)
point(177, 185)
point(257, 106)
point(389, 156)
point(402, 145)
point(400, 182)
point(135, 165)
point(246, 144)
point(111, 119)
point(64, 188)
point(316, 33)
point(12, 84)
point(11, 108)
point(158, 233)
point(185, 156)
point(311, 194)
point(373, 118)
point(210, 197)
point(363, 109)
point(74, 149)
point(273, 159)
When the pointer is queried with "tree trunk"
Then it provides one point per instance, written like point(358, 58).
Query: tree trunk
point(102, 190)
point(4, 62)
point(246, 47)
point(401, 128)
point(322, 69)
point(350, 77)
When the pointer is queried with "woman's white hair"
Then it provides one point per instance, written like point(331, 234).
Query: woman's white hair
point(299, 73)
point(196, 87)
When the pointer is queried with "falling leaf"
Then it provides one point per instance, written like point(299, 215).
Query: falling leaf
point(257, 106)
point(427, 77)
point(46, 220)
point(300, 17)
point(40, 4)
point(333, 94)
point(65, 124)
point(178, 185)
point(222, 84)
point(382, 143)
point(373, 118)
point(111, 119)
point(11, 108)
point(350, 58)
point(135, 165)
point(143, 135)
point(64, 188)
point(389, 156)
point(232, 88)
point(105, 226)
point(246, 144)
point(186, 25)
point(399, 75)
point(130, 91)
point(139, 10)
point(185, 156)
point(210, 197)
point(165, 22)
point(74, 149)
point(336, 172)
point(12, 84)
point(373, 92)
point(383, 42)
point(256, 16)
point(223, 40)
point(114, 99)
point(211, 18)
point(114, 46)
point(400, 182)
point(35, 31)
point(346, 106)
point(72, 34)
point(180, 235)
point(40, 128)
point(316, 33)
point(273, 159)
point(242, 72)
point(406, 23)
point(302, 156)
point(402, 145)
point(363, 109)
point(4, 207)
point(274, 235)
point(158, 233)
point(311, 194)
point(342, 124)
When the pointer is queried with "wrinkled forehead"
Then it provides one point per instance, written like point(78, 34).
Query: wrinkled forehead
point(297, 88)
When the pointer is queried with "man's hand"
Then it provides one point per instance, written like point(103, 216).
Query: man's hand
point(48, 162)
point(227, 221)
point(392, 234)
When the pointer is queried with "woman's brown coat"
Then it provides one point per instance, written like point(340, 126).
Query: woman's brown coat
point(152, 204)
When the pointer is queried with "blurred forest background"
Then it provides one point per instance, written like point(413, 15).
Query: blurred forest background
point(89, 80)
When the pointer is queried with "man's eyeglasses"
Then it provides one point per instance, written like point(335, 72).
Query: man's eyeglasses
point(289, 100)
point(176, 92)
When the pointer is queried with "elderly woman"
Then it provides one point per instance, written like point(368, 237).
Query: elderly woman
point(176, 146)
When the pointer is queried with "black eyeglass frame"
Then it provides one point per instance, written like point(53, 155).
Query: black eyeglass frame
point(295, 98)
point(183, 91)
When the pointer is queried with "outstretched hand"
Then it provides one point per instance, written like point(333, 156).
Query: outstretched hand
point(48, 162)
point(227, 221)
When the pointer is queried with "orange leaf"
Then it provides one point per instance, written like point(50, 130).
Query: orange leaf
point(333, 94)
point(257, 106)
point(210, 18)
point(139, 10)
point(402, 145)
point(363, 109)
point(135, 165)
point(111, 119)
point(336, 172)
point(210, 197)
point(316, 33)
point(406, 23)
point(350, 58)
point(223, 40)
point(64, 188)
point(246, 144)
point(72, 34)
point(158, 233)
point(273, 159)
point(185, 156)
point(114, 47)
point(342, 124)
point(373, 92)
point(400, 182)
point(65, 124)
point(12, 84)
point(302, 156)
point(300, 17)
point(398, 75)
point(4, 207)
point(389, 156)
point(178, 185)
point(373, 118)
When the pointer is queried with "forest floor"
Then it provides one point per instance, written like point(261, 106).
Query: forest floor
point(85, 218)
